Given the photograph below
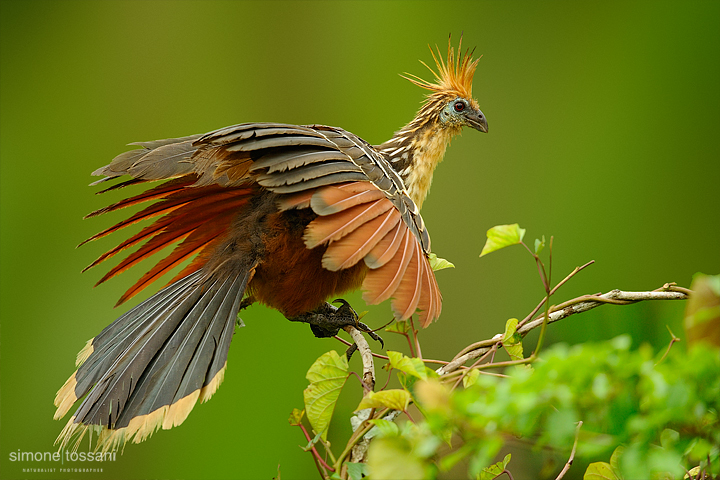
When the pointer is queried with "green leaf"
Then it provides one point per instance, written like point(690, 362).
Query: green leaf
point(296, 417)
point(311, 443)
point(386, 427)
point(512, 340)
point(539, 245)
point(451, 459)
point(471, 377)
point(433, 395)
point(489, 473)
point(615, 458)
point(393, 458)
point(395, 399)
point(437, 263)
point(668, 438)
point(411, 366)
point(502, 236)
point(693, 471)
point(400, 326)
point(600, 471)
point(356, 471)
point(327, 377)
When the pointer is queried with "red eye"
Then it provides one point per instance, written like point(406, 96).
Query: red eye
point(459, 106)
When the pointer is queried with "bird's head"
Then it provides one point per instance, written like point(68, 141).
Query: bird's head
point(450, 101)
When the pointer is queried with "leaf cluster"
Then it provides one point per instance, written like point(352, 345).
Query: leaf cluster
point(665, 415)
point(657, 413)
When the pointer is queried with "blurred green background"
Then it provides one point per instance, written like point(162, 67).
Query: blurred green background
point(604, 120)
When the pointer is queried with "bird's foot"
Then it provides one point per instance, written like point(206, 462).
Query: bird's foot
point(327, 320)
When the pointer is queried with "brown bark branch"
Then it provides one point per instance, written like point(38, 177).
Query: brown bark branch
point(564, 310)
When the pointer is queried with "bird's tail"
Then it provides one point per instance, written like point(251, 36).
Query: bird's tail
point(147, 369)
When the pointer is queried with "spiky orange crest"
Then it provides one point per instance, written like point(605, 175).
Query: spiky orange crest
point(453, 77)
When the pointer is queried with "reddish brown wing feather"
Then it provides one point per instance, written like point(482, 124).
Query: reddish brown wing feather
point(333, 227)
point(380, 284)
point(407, 294)
point(185, 208)
point(335, 199)
point(349, 223)
point(385, 250)
point(360, 242)
point(214, 223)
point(296, 200)
point(432, 303)
point(161, 191)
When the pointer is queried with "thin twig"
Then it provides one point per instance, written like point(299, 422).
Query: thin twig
point(365, 355)
point(490, 342)
point(562, 282)
point(439, 362)
point(564, 310)
point(376, 355)
point(588, 302)
point(365, 387)
point(477, 362)
point(418, 351)
point(316, 454)
point(672, 341)
point(568, 464)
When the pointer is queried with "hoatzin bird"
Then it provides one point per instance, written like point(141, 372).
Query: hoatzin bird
point(286, 215)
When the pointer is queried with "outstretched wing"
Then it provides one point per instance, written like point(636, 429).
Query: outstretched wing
point(364, 212)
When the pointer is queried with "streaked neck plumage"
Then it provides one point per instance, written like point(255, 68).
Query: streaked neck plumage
point(417, 148)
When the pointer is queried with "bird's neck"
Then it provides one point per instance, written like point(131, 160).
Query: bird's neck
point(415, 150)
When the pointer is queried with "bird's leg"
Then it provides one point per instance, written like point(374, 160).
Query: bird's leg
point(327, 320)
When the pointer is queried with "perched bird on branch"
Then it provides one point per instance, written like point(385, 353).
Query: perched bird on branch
point(286, 215)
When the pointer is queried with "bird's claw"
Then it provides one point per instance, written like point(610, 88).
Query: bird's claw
point(328, 320)
point(358, 324)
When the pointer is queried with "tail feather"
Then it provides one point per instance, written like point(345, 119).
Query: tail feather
point(116, 338)
point(148, 369)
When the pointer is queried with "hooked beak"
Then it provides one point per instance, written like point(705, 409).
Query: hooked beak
point(477, 121)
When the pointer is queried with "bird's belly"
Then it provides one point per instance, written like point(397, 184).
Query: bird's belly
point(290, 277)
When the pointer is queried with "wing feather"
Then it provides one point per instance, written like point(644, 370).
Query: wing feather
point(356, 245)
point(333, 199)
point(333, 227)
point(362, 207)
point(407, 295)
point(380, 284)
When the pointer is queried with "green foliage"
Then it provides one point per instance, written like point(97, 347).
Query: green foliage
point(600, 471)
point(385, 427)
point(395, 459)
point(657, 413)
point(327, 377)
point(399, 326)
point(411, 366)
point(438, 263)
point(396, 399)
point(296, 417)
point(356, 470)
point(493, 471)
point(666, 415)
point(512, 340)
point(502, 236)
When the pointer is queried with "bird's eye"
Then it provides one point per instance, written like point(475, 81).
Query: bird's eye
point(459, 106)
